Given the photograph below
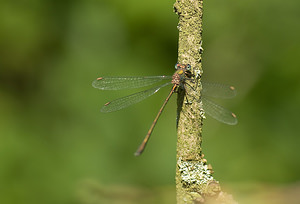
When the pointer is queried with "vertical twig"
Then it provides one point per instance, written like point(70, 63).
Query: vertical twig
point(194, 180)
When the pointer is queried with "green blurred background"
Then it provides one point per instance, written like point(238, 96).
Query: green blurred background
point(56, 146)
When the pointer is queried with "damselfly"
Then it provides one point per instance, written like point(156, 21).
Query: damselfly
point(179, 79)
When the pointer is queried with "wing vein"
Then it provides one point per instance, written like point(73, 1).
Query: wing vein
point(130, 82)
point(129, 100)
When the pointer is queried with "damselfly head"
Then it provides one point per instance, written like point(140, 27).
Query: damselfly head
point(183, 66)
point(180, 66)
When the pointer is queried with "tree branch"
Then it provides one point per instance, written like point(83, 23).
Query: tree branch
point(194, 180)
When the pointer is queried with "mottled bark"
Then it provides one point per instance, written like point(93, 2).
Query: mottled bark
point(194, 180)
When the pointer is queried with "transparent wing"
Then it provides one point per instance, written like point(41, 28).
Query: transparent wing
point(118, 83)
point(126, 101)
point(217, 90)
point(218, 112)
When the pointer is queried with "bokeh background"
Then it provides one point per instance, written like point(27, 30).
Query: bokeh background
point(57, 147)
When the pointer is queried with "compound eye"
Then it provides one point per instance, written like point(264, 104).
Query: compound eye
point(188, 67)
point(176, 66)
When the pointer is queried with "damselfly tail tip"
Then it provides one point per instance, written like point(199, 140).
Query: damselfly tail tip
point(140, 150)
point(99, 78)
point(137, 153)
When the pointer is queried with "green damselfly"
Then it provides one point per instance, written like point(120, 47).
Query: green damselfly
point(178, 80)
